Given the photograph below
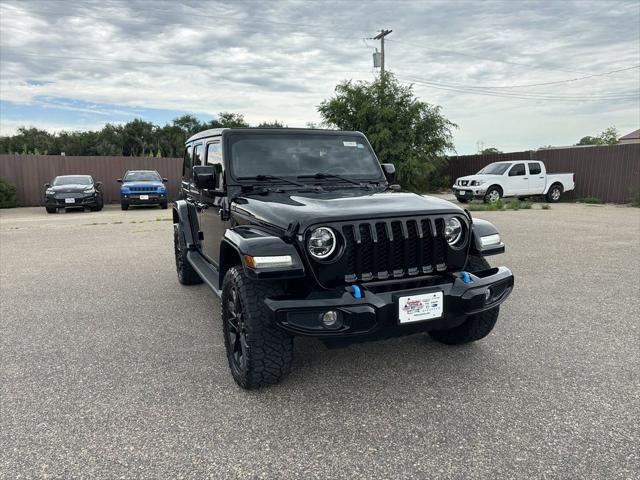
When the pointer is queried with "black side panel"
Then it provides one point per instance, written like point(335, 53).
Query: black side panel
point(185, 214)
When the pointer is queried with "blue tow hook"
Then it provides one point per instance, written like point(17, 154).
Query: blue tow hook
point(466, 278)
point(356, 292)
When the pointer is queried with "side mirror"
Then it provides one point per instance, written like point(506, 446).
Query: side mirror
point(98, 184)
point(204, 177)
point(165, 180)
point(119, 180)
point(47, 185)
point(389, 172)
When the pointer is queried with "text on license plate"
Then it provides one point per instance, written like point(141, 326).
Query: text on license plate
point(416, 308)
point(462, 193)
point(144, 197)
point(69, 200)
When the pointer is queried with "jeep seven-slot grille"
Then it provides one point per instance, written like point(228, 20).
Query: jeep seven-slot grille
point(388, 249)
point(143, 189)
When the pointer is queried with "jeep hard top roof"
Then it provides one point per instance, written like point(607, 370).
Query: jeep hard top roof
point(214, 132)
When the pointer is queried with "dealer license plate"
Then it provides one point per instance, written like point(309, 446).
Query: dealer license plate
point(69, 200)
point(144, 197)
point(462, 193)
point(417, 308)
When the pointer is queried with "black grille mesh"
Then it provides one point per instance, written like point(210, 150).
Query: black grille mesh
point(386, 249)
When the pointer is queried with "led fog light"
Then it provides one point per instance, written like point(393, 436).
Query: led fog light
point(330, 319)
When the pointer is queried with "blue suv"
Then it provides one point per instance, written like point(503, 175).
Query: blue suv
point(142, 187)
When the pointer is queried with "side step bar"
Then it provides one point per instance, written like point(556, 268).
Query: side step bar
point(207, 272)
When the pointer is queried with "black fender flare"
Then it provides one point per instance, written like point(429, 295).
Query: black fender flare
point(482, 228)
point(185, 215)
point(245, 241)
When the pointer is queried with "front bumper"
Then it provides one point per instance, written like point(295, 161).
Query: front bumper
point(469, 192)
point(87, 201)
point(134, 198)
point(376, 313)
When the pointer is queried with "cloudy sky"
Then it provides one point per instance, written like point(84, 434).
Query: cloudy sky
point(513, 75)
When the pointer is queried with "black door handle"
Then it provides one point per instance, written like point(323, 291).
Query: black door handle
point(201, 206)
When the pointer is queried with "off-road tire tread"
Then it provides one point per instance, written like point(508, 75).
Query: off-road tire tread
point(475, 327)
point(270, 349)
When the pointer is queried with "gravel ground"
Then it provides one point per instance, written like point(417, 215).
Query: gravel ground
point(111, 369)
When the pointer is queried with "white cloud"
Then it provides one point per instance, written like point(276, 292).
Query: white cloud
point(279, 60)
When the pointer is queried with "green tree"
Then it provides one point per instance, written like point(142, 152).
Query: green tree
point(231, 120)
point(608, 136)
point(411, 134)
point(490, 150)
point(274, 124)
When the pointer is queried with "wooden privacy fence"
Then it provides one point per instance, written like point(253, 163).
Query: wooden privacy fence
point(29, 173)
point(608, 172)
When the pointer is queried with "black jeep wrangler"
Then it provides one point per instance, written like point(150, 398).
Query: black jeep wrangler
point(301, 232)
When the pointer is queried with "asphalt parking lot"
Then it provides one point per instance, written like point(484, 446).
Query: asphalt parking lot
point(111, 369)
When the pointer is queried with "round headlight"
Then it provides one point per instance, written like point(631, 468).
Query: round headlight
point(452, 230)
point(321, 243)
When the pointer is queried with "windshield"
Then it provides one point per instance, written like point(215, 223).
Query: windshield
point(72, 180)
point(291, 155)
point(142, 177)
point(494, 169)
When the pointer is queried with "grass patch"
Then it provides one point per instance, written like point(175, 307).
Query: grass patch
point(591, 200)
point(546, 206)
point(117, 223)
point(513, 204)
point(485, 207)
point(635, 200)
point(159, 219)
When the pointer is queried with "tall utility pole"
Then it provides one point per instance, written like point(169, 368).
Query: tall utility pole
point(380, 36)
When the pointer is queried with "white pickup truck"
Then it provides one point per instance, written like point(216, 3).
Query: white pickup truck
point(517, 178)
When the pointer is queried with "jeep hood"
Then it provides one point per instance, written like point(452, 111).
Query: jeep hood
point(285, 208)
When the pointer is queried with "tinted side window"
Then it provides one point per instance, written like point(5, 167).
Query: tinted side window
point(517, 170)
point(534, 168)
point(197, 155)
point(214, 157)
point(188, 162)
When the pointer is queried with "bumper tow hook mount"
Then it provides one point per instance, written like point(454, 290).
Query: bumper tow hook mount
point(356, 291)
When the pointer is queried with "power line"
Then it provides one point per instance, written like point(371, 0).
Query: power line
point(477, 57)
point(522, 96)
point(569, 80)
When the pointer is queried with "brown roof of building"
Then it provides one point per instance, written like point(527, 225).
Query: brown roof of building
point(632, 135)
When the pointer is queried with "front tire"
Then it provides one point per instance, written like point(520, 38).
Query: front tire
point(51, 209)
point(493, 195)
point(186, 274)
point(475, 327)
point(124, 206)
point(554, 193)
point(462, 200)
point(259, 353)
point(164, 205)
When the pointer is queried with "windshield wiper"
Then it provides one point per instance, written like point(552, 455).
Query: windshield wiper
point(321, 175)
point(262, 178)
